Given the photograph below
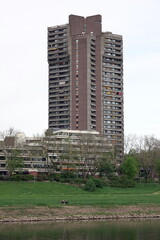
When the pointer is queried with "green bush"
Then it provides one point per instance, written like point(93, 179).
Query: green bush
point(112, 178)
point(67, 180)
point(98, 182)
point(28, 177)
point(67, 174)
point(22, 177)
point(42, 177)
point(16, 178)
point(105, 181)
point(2, 177)
point(90, 185)
point(55, 177)
point(80, 180)
point(122, 182)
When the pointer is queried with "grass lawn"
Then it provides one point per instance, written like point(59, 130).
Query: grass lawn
point(51, 193)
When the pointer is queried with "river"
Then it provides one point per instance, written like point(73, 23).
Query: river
point(102, 230)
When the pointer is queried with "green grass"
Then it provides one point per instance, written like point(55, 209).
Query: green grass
point(51, 194)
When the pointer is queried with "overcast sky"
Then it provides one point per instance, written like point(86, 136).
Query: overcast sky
point(23, 59)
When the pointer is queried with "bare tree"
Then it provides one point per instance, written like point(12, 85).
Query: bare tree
point(11, 132)
point(149, 152)
point(131, 142)
point(146, 149)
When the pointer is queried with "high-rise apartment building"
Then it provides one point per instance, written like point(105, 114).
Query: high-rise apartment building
point(86, 78)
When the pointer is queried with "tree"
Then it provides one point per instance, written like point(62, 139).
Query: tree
point(92, 150)
point(14, 162)
point(85, 153)
point(129, 167)
point(149, 151)
point(146, 149)
point(11, 132)
point(131, 142)
point(105, 165)
point(68, 155)
point(158, 168)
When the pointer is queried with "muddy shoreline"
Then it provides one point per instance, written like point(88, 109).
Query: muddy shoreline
point(71, 213)
point(79, 218)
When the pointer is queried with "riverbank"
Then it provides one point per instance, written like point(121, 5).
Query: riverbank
point(72, 213)
point(42, 201)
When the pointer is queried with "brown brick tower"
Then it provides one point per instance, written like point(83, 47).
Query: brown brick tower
point(86, 78)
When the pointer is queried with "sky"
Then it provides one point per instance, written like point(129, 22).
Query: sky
point(24, 68)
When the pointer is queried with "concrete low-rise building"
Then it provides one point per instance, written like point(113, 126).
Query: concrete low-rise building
point(57, 151)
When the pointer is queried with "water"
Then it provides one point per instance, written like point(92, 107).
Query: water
point(106, 230)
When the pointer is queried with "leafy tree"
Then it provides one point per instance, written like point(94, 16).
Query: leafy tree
point(105, 165)
point(14, 162)
point(129, 167)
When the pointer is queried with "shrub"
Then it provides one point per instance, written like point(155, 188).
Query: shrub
point(98, 182)
point(16, 177)
point(112, 178)
point(57, 177)
point(2, 177)
point(80, 180)
point(122, 182)
point(54, 177)
point(105, 181)
point(67, 174)
point(42, 177)
point(67, 180)
point(22, 177)
point(63, 180)
point(90, 185)
point(28, 177)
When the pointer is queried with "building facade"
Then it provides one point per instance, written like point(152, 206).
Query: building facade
point(55, 152)
point(86, 79)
